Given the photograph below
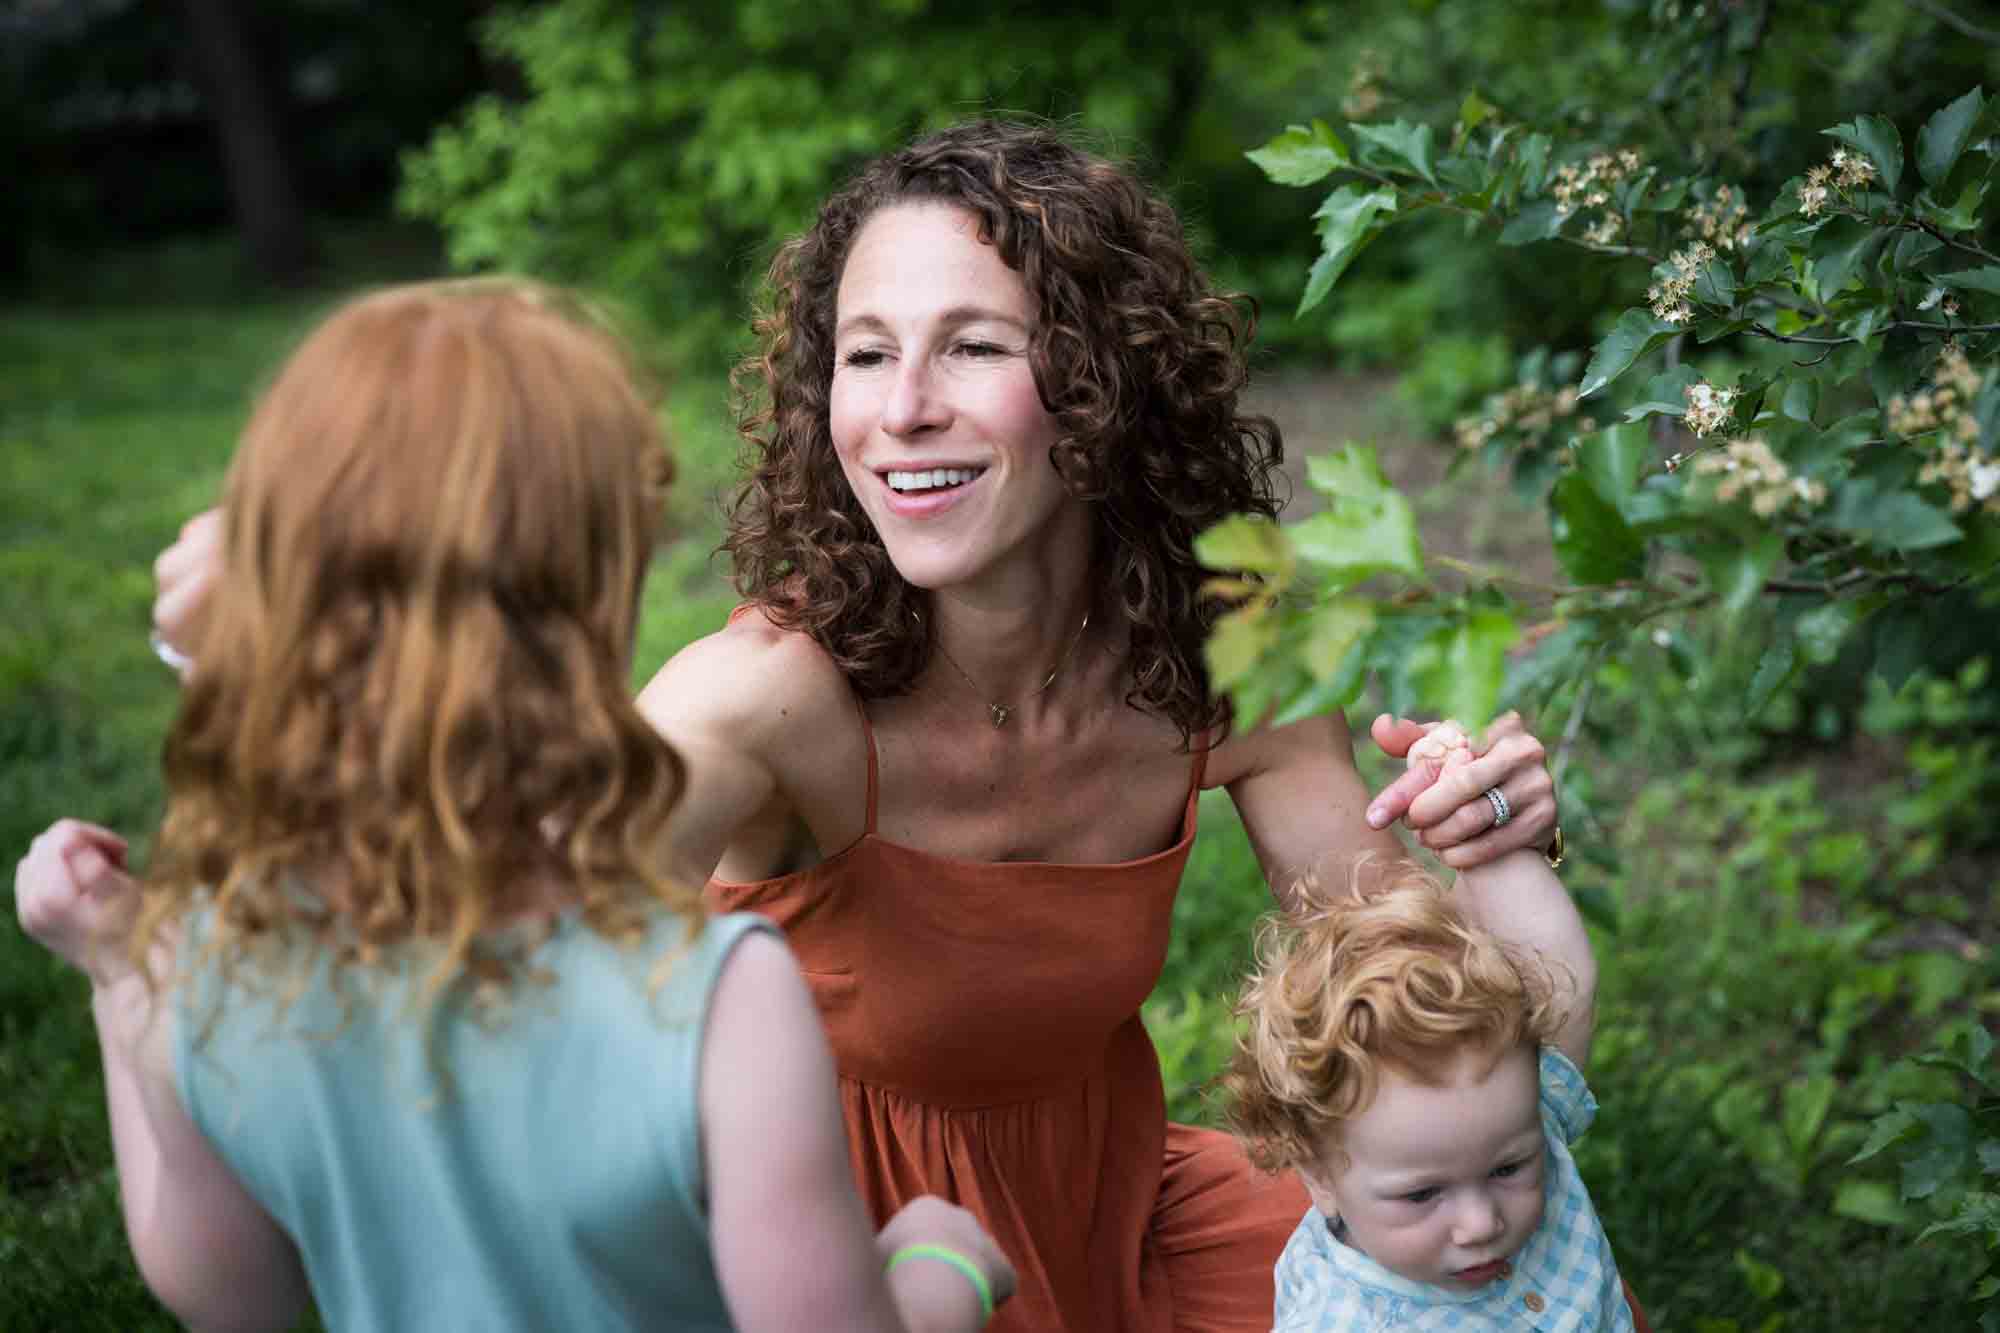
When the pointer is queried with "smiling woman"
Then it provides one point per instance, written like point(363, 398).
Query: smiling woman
point(953, 741)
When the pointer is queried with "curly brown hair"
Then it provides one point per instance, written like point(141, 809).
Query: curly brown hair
point(1384, 972)
point(1137, 356)
point(411, 693)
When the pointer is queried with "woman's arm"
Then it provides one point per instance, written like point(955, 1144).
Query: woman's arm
point(793, 1245)
point(1304, 804)
point(207, 1249)
point(746, 708)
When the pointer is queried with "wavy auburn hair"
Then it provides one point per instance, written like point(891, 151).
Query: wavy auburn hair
point(1384, 974)
point(411, 694)
point(1137, 357)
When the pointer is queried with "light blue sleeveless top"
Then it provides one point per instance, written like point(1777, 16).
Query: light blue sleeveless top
point(538, 1168)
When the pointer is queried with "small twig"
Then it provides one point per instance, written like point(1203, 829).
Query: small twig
point(1491, 575)
point(1950, 20)
point(1740, 96)
point(1925, 325)
point(1931, 228)
point(1573, 726)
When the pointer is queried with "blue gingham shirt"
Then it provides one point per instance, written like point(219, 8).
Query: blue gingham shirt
point(1562, 1281)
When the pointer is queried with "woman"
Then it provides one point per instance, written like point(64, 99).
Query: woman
point(953, 742)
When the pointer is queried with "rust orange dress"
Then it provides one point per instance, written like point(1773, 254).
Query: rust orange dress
point(985, 1021)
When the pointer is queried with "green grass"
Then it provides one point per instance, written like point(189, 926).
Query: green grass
point(1762, 978)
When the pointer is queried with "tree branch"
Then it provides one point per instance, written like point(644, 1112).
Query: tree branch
point(1950, 20)
point(1932, 229)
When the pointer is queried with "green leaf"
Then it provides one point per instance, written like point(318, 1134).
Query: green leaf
point(1473, 111)
point(1805, 1104)
point(1889, 1128)
point(1338, 627)
point(1244, 542)
point(1664, 395)
point(1347, 222)
point(1841, 251)
point(1460, 668)
point(1876, 137)
point(1942, 1154)
point(1822, 630)
point(1870, 1201)
point(1610, 459)
point(1301, 155)
point(1890, 519)
point(1367, 527)
point(1962, 215)
point(1398, 142)
point(1237, 643)
point(1775, 668)
point(1764, 1281)
point(1737, 573)
point(1635, 334)
point(1974, 279)
point(1715, 284)
point(1592, 540)
point(1989, 1156)
point(1944, 137)
point(1539, 221)
point(1801, 399)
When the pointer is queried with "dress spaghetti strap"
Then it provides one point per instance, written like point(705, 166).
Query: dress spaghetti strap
point(868, 735)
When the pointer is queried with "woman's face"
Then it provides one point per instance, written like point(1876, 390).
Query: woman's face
point(934, 413)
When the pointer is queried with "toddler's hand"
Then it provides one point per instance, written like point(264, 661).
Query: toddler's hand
point(70, 890)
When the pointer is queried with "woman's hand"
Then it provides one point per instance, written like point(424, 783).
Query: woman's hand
point(71, 891)
point(183, 575)
point(1447, 807)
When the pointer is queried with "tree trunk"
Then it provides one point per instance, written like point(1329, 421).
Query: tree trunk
point(269, 216)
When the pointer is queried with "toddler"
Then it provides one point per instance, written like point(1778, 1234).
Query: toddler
point(1415, 1054)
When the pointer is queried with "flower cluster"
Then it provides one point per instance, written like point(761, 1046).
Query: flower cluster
point(1844, 171)
point(1669, 292)
point(1527, 408)
point(1364, 86)
point(1722, 221)
point(1748, 467)
point(1945, 407)
point(1708, 407)
point(1587, 185)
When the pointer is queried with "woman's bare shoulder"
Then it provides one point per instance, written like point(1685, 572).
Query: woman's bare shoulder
point(750, 680)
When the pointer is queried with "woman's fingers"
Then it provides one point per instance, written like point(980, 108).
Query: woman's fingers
point(1514, 756)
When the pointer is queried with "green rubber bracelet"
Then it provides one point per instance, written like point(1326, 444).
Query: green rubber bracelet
point(956, 1260)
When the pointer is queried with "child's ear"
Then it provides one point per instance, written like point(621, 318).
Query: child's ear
point(1319, 1184)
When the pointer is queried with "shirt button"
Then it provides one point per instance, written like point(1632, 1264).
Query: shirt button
point(1506, 1269)
point(1533, 1300)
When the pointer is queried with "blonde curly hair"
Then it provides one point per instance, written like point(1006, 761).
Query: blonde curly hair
point(1384, 973)
point(412, 697)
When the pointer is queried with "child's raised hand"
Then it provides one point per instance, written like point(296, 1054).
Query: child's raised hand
point(70, 890)
point(182, 577)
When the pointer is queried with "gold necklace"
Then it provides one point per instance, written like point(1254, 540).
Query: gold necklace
point(1000, 712)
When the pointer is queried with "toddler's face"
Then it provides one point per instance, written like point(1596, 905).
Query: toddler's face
point(1443, 1184)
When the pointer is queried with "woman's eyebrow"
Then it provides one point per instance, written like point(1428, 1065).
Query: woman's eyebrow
point(954, 317)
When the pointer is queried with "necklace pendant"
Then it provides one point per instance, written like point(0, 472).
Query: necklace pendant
point(1000, 714)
